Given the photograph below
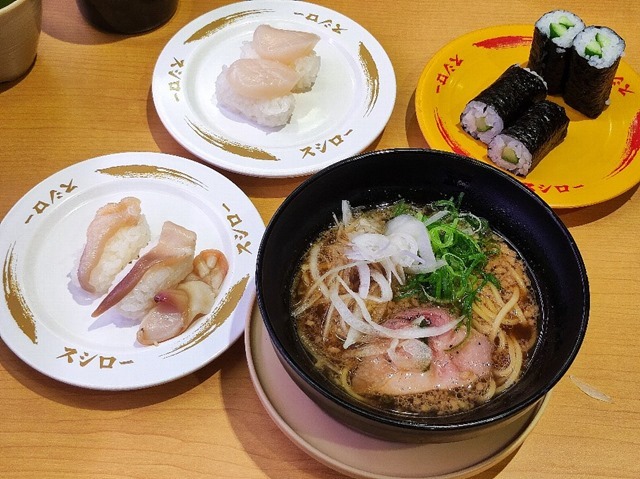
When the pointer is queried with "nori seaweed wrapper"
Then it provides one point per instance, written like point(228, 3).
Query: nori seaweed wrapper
point(540, 129)
point(587, 88)
point(549, 61)
point(513, 92)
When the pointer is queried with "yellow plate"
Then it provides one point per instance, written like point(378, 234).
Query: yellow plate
point(597, 161)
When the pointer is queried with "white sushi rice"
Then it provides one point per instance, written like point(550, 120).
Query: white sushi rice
point(308, 68)
point(564, 41)
point(502, 141)
point(120, 250)
point(271, 113)
point(247, 50)
point(613, 50)
point(475, 110)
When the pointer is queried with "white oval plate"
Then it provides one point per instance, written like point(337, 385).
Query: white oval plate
point(357, 455)
point(46, 319)
point(345, 111)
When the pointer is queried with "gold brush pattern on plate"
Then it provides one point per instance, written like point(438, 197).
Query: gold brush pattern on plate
point(346, 109)
point(45, 317)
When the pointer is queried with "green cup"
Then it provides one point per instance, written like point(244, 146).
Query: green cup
point(20, 25)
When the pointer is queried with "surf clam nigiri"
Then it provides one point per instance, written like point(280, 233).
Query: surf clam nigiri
point(115, 237)
point(177, 308)
point(162, 267)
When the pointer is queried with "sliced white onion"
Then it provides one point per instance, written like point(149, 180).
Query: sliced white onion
point(391, 351)
point(353, 336)
point(426, 268)
point(435, 217)
point(365, 278)
point(417, 332)
point(406, 249)
point(347, 215)
point(315, 271)
point(319, 282)
point(348, 317)
point(408, 259)
point(406, 243)
point(412, 226)
point(386, 293)
point(370, 247)
point(392, 270)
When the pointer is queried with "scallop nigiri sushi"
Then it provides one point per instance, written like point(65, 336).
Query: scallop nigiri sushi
point(258, 89)
point(115, 237)
point(162, 267)
point(275, 64)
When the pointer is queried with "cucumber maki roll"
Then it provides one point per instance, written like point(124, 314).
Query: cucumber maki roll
point(502, 102)
point(552, 40)
point(595, 57)
point(520, 147)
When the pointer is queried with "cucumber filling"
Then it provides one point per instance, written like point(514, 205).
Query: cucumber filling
point(595, 46)
point(557, 30)
point(564, 20)
point(602, 39)
point(509, 155)
point(481, 124)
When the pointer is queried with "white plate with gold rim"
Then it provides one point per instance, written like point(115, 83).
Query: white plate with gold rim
point(345, 111)
point(360, 456)
point(46, 319)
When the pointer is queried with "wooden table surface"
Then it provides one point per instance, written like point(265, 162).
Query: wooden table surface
point(88, 94)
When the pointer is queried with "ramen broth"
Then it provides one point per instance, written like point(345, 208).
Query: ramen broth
point(419, 310)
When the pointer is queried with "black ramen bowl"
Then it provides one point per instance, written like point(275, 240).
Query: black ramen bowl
point(421, 176)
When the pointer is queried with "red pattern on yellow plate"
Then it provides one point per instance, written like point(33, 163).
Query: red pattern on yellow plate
point(632, 147)
point(596, 161)
point(509, 41)
point(454, 145)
